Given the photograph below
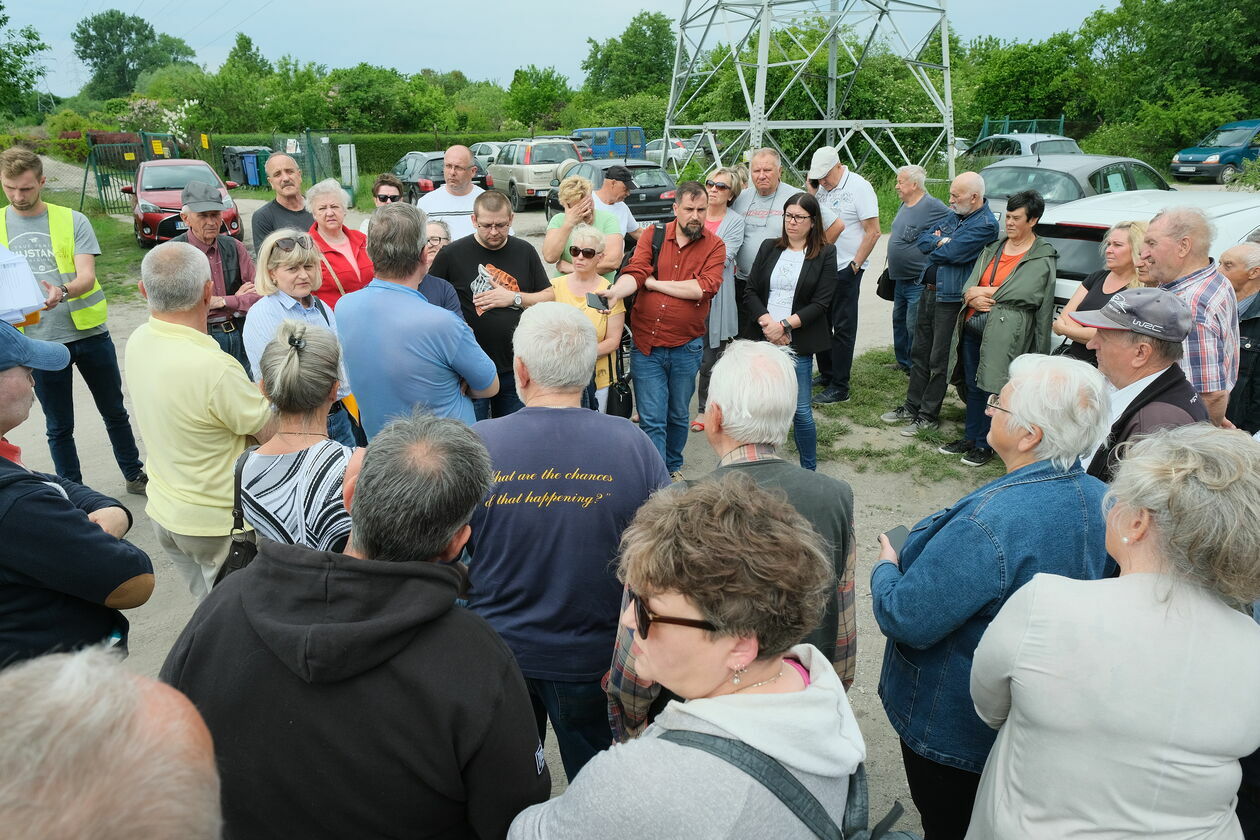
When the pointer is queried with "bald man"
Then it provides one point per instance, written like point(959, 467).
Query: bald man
point(1241, 267)
point(453, 201)
point(288, 208)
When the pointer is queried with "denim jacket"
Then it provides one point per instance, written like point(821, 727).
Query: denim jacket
point(958, 567)
point(968, 236)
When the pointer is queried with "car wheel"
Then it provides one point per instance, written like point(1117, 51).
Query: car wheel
point(547, 209)
point(518, 203)
point(1228, 173)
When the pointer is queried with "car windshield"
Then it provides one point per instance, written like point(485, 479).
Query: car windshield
point(647, 178)
point(176, 177)
point(1226, 137)
point(1057, 147)
point(550, 153)
point(1003, 181)
point(1078, 247)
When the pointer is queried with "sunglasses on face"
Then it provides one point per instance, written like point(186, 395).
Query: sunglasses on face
point(589, 253)
point(384, 199)
point(288, 243)
point(717, 184)
point(643, 618)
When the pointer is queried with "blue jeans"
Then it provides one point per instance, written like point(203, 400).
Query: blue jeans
point(98, 365)
point(905, 315)
point(803, 421)
point(501, 404)
point(663, 385)
point(579, 716)
point(977, 425)
point(233, 343)
point(340, 428)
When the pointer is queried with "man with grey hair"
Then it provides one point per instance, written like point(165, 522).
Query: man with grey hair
point(453, 201)
point(196, 409)
point(288, 208)
point(374, 705)
point(952, 248)
point(752, 400)
point(401, 351)
point(919, 212)
point(1138, 340)
point(80, 731)
point(569, 480)
point(1241, 266)
point(1176, 249)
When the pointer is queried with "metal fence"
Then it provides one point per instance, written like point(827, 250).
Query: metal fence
point(112, 166)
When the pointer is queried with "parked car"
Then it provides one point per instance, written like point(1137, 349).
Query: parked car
point(1076, 229)
point(421, 172)
point(998, 146)
point(585, 152)
point(156, 199)
point(484, 151)
point(524, 169)
point(1063, 178)
point(1221, 154)
point(614, 141)
point(652, 198)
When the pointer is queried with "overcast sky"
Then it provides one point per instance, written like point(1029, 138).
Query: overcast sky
point(445, 36)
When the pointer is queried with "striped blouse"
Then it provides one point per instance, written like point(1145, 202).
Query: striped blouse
point(296, 498)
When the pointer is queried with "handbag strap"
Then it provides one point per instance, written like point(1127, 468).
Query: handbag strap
point(770, 773)
point(238, 510)
point(335, 279)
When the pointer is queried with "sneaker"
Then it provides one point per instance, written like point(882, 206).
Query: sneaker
point(676, 476)
point(137, 486)
point(978, 457)
point(918, 426)
point(897, 415)
point(817, 381)
point(958, 447)
point(831, 394)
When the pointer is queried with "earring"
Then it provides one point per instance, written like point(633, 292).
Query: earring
point(739, 675)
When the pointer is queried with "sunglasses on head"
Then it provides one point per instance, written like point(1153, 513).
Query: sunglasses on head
point(589, 253)
point(288, 243)
point(388, 198)
point(643, 618)
point(717, 184)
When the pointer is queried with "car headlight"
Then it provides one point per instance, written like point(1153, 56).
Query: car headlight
point(146, 207)
point(1212, 159)
point(1177, 158)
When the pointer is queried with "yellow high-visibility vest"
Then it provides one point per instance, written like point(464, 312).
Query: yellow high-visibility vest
point(88, 309)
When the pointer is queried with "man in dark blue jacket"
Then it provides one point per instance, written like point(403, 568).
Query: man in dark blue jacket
point(952, 250)
point(65, 570)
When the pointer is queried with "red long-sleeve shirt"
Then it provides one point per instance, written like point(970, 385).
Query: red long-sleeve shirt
point(661, 320)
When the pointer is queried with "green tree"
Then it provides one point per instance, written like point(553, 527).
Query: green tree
point(246, 58)
point(119, 47)
point(174, 81)
point(369, 98)
point(537, 95)
point(1029, 81)
point(641, 60)
point(482, 106)
point(295, 96)
point(18, 71)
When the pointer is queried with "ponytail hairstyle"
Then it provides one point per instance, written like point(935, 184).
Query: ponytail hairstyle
point(299, 367)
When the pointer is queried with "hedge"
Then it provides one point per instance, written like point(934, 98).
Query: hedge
point(377, 152)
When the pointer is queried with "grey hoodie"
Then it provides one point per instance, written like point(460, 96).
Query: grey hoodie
point(653, 788)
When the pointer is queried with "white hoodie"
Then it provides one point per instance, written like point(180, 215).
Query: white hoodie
point(654, 788)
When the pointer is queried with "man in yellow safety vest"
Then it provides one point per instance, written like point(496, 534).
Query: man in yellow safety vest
point(61, 247)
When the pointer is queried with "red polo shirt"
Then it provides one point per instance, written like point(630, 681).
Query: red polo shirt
point(661, 320)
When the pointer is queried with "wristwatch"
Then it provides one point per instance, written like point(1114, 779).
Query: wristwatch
point(787, 328)
point(516, 300)
point(65, 292)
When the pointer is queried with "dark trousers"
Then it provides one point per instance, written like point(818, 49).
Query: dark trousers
point(944, 795)
point(835, 366)
point(579, 716)
point(977, 425)
point(501, 404)
point(933, 333)
point(233, 343)
point(707, 360)
point(98, 365)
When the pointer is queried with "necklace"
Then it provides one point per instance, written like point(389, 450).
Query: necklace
point(308, 434)
point(759, 684)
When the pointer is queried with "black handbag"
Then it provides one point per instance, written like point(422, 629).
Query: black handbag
point(974, 326)
point(620, 397)
point(886, 287)
point(243, 549)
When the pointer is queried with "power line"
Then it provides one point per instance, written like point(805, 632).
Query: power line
point(206, 20)
point(233, 27)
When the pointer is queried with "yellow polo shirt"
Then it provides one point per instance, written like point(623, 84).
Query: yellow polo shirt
point(195, 406)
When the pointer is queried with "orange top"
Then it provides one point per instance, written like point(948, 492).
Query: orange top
point(1005, 265)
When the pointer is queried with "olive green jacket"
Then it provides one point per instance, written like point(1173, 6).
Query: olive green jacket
point(1023, 310)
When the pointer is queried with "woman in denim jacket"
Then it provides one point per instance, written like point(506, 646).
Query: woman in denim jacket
point(961, 564)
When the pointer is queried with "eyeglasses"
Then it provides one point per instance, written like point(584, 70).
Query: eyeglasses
point(437, 240)
point(643, 618)
point(493, 225)
point(589, 253)
point(718, 184)
point(455, 168)
point(288, 243)
point(388, 198)
point(796, 218)
point(993, 404)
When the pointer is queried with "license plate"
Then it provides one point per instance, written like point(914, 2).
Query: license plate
point(1185, 168)
point(180, 224)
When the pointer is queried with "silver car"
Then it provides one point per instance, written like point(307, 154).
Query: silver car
point(998, 146)
point(1063, 178)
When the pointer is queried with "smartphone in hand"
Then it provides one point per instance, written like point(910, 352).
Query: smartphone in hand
point(897, 537)
point(595, 301)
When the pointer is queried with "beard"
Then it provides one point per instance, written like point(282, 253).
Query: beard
point(692, 230)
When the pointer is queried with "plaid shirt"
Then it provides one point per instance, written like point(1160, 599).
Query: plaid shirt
point(630, 698)
point(1211, 360)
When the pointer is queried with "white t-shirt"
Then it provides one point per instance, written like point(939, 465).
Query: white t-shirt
point(621, 210)
point(783, 280)
point(455, 210)
point(853, 200)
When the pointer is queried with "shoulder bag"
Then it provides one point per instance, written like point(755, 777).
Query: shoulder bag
point(620, 397)
point(974, 326)
point(886, 286)
point(242, 550)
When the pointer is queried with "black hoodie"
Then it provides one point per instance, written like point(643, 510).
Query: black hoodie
point(351, 698)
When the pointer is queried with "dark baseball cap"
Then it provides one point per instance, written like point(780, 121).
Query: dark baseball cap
point(1152, 312)
point(17, 350)
point(201, 197)
point(619, 173)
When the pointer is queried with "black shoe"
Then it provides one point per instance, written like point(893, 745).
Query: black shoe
point(831, 394)
point(958, 447)
point(818, 381)
point(897, 366)
point(978, 457)
point(138, 485)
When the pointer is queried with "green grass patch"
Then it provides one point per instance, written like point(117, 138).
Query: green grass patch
point(875, 388)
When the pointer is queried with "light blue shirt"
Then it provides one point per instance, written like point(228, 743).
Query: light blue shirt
point(265, 317)
point(404, 353)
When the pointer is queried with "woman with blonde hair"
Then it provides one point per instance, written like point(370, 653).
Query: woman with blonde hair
point(574, 194)
point(586, 253)
point(1120, 248)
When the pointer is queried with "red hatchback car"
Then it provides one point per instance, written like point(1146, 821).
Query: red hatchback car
point(155, 199)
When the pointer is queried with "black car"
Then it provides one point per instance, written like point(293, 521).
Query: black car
point(421, 172)
point(651, 200)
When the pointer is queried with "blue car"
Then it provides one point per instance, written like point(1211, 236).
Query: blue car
point(1220, 155)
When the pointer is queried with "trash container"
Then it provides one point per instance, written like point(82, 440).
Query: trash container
point(234, 161)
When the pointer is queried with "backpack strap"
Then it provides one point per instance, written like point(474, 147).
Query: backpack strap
point(238, 510)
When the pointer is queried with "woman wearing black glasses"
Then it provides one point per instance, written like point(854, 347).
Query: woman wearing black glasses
point(787, 300)
point(727, 578)
point(586, 250)
point(722, 187)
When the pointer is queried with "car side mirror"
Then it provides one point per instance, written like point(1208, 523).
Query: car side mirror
point(127, 189)
point(555, 182)
point(231, 185)
point(492, 160)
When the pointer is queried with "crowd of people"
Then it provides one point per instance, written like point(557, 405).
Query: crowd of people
point(386, 463)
